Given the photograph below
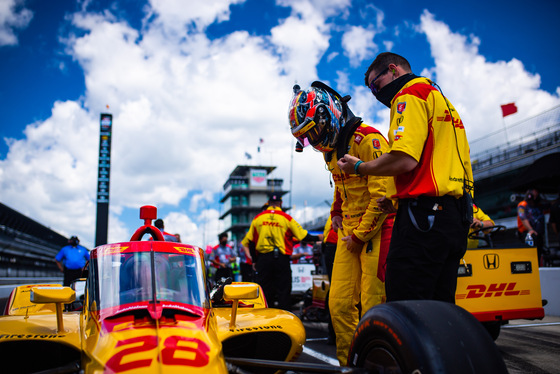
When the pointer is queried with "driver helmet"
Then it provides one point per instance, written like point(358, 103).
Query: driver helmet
point(316, 117)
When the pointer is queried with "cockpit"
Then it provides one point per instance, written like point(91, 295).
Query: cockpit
point(133, 275)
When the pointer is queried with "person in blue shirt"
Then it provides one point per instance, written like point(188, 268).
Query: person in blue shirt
point(71, 259)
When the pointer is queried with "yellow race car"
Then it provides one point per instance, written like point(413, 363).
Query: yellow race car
point(146, 309)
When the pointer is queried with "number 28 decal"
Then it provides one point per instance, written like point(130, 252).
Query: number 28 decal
point(198, 352)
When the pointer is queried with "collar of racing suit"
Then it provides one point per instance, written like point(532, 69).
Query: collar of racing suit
point(344, 138)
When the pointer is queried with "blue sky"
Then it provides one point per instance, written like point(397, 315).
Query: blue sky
point(194, 85)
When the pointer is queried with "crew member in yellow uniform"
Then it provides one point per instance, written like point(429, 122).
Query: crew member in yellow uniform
point(322, 117)
point(429, 159)
point(481, 221)
point(270, 240)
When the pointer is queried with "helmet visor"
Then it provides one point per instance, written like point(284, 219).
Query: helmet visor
point(316, 134)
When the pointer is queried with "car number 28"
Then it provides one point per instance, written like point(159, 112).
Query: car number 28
point(198, 352)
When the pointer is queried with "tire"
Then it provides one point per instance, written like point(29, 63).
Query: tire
point(423, 336)
point(493, 328)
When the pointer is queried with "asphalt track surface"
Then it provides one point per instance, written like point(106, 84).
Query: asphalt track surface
point(528, 347)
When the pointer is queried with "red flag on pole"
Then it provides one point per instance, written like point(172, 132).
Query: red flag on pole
point(508, 109)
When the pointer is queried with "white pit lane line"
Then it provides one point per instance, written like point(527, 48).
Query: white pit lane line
point(531, 325)
point(320, 356)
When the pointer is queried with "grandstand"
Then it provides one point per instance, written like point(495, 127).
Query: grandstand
point(27, 248)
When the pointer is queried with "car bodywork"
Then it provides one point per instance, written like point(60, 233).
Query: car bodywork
point(146, 309)
point(500, 284)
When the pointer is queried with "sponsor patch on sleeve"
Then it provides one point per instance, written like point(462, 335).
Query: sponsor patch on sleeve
point(401, 107)
point(376, 144)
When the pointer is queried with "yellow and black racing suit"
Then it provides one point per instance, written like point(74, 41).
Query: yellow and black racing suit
point(358, 279)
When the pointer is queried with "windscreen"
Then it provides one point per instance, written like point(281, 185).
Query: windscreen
point(127, 278)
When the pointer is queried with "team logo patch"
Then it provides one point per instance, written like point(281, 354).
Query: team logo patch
point(358, 139)
point(376, 144)
point(401, 107)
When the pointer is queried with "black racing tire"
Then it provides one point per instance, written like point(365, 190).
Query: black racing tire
point(493, 328)
point(423, 336)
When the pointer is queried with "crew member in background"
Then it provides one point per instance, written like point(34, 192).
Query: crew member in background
point(224, 258)
point(481, 221)
point(429, 159)
point(167, 236)
point(530, 220)
point(322, 117)
point(270, 241)
point(71, 259)
point(302, 253)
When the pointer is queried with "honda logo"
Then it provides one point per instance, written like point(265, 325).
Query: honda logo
point(491, 261)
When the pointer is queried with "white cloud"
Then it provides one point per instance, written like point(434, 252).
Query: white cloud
point(12, 16)
point(200, 200)
point(178, 15)
point(301, 43)
point(51, 173)
point(182, 224)
point(358, 44)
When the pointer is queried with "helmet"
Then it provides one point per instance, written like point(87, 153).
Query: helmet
point(316, 115)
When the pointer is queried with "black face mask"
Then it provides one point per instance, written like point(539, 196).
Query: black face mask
point(386, 94)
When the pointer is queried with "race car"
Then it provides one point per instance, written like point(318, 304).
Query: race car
point(147, 308)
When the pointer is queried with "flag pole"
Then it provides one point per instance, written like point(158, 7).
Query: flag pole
point(507, 109)
point(505, 130)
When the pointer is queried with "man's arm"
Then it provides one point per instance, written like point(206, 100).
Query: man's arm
point(60, 266)
point(528, 226)
point(388, 164)
point(313, 238)
point(253, 250)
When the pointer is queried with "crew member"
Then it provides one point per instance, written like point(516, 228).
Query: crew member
point(270, 241)
point(167, 236)
point(224, 258)
point(481, 221)
point(530, 220)
point(71, 259)
point(302, 253)
point(322, 117)
point(429, 160)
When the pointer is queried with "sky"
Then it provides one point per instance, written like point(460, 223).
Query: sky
point(194, 86)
